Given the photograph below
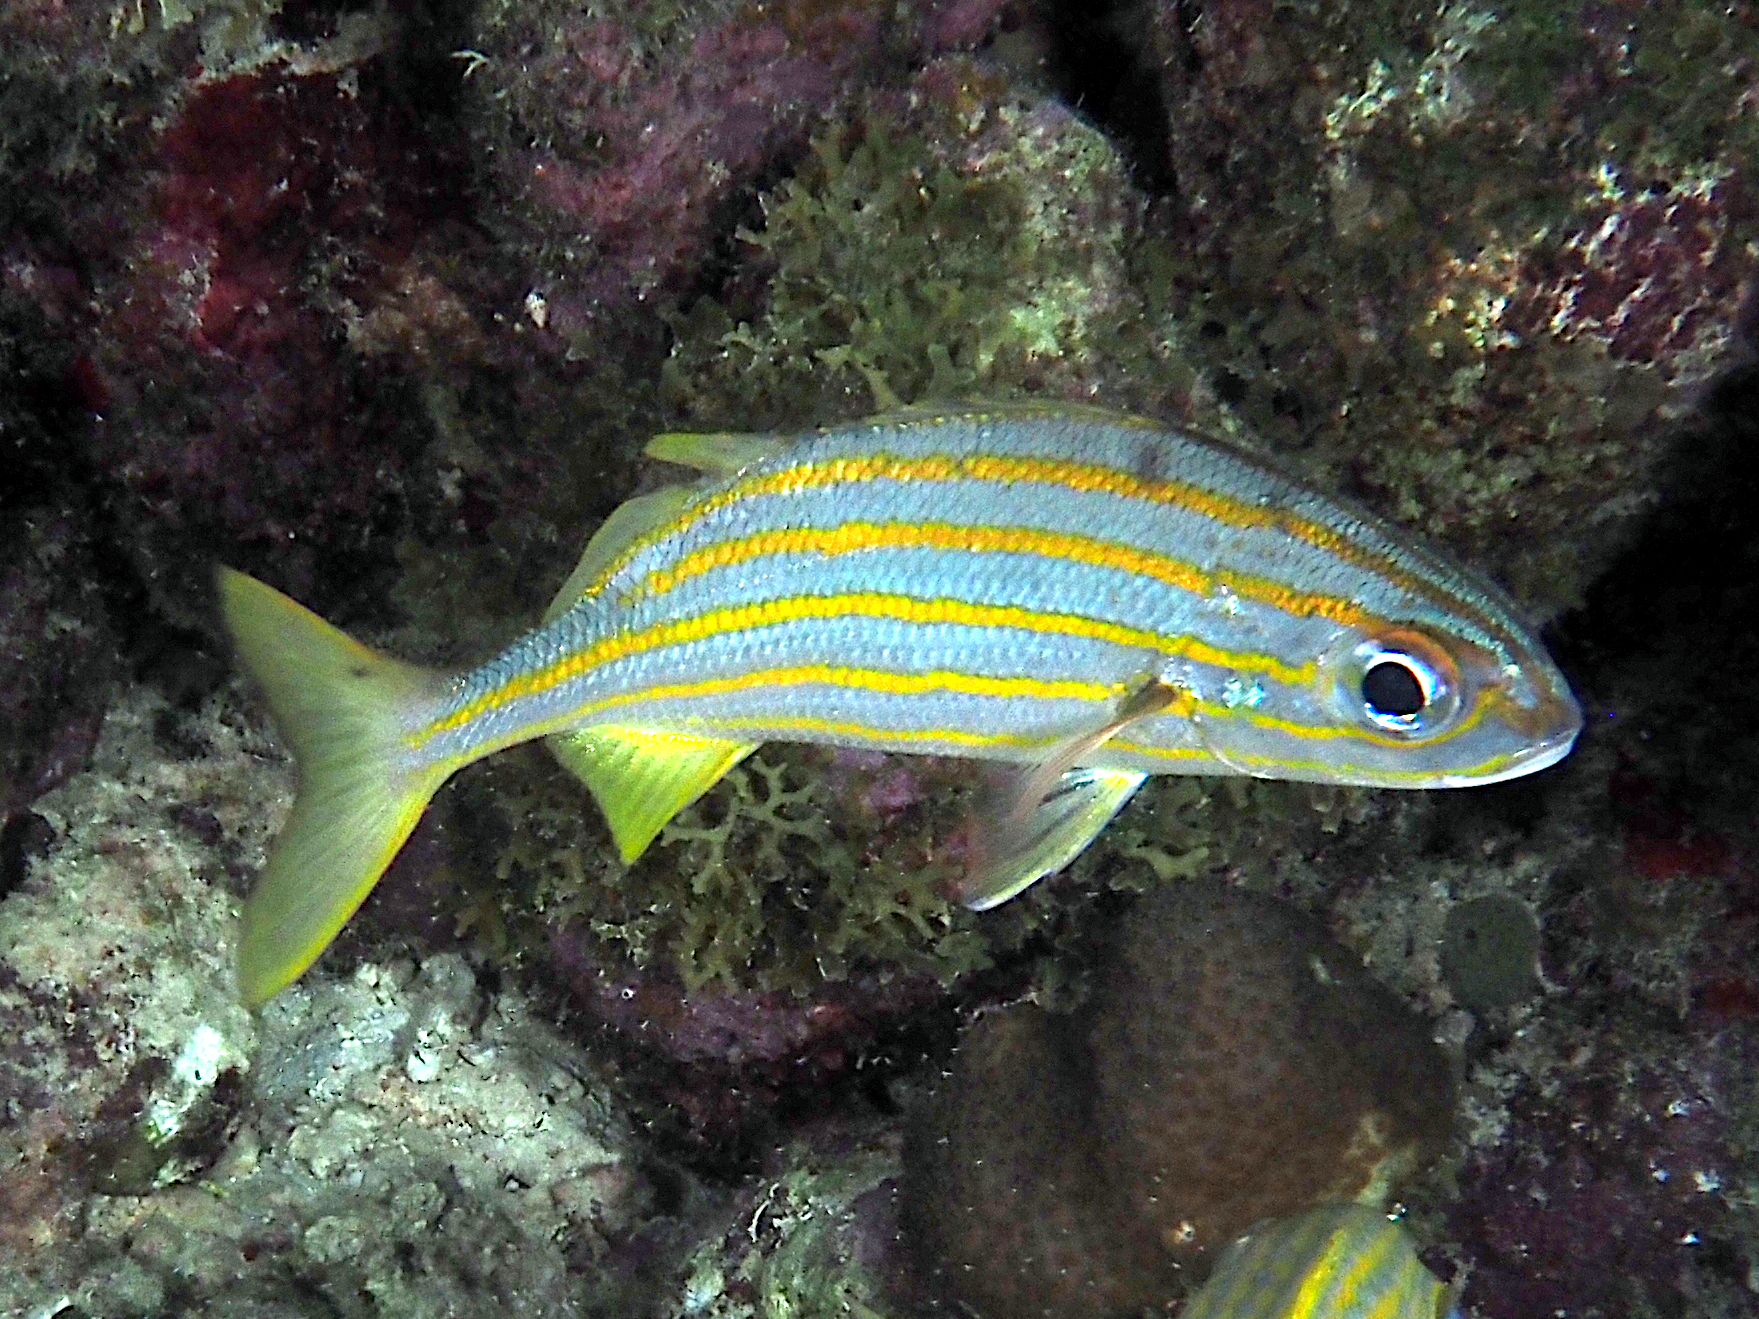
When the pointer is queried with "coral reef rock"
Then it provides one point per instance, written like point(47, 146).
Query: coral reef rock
point(1531, 225)
point(398, 1141)
point(1232, 1063)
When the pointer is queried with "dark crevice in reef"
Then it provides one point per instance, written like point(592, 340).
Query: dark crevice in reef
point(41, 413)
point(1668, 636)
point(1100, 61)
point(309, 21)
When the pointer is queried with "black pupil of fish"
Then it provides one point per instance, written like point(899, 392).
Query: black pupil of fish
point(1392, 690)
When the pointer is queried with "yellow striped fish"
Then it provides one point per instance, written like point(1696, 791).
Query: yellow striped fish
point(1341, 1261)
point(1091, 597)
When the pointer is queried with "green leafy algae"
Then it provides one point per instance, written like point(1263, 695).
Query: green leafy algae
point(784, 878)
point(969, 246)
point(767, 882)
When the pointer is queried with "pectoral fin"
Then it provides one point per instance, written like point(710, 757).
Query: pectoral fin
point(1053, 811)
point(1050, 835)
point(642, 778)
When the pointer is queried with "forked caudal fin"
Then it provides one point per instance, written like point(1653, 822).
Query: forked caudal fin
point(342, 709)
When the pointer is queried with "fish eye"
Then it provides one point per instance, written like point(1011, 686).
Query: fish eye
point(1393, 689)
point(1405, 685)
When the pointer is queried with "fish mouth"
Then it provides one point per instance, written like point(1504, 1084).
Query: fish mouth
point(1550, 725)
point(1539, 755)
point(1548, 752)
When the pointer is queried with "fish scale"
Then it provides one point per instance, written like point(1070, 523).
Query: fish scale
point(1338, 1261)
point(1090, 597)
point(1208, 504)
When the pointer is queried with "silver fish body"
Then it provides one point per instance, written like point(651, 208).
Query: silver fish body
point(1091, 597)
point(989, 584)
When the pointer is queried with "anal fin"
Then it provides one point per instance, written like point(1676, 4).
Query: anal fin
point(642, 778)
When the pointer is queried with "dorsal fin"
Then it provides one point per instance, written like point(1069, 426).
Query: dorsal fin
point(716, 453)
point(1013, 409)
point(628, 522)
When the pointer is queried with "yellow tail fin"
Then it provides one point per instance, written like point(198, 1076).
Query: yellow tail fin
point(342, 709)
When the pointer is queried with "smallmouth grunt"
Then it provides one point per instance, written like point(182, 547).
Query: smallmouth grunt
point(1090, 597)
point(1338, 1261)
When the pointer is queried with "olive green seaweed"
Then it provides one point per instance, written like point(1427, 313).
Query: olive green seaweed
point(903, 272)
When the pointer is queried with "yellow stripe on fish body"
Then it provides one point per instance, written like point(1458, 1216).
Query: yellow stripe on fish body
point(1341, 1261)
point(1051, 587)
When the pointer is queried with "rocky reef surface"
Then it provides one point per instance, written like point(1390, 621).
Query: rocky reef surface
point(380, 302)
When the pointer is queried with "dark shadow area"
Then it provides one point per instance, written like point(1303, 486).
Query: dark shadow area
point(1668, 637)
point(1101, 61)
